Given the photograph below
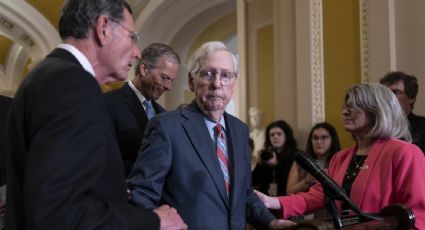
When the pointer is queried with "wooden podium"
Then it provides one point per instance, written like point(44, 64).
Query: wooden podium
point(395, 217)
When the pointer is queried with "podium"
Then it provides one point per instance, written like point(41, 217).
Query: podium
point(395, 217)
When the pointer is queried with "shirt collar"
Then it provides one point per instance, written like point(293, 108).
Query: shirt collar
point(82, 59)
point(211, 124)
point(137, 92)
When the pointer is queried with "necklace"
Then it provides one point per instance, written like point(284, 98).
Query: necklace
point(359, 160)
point(355, 166)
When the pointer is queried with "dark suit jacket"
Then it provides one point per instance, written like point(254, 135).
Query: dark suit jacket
point(178, 166)
point(129, 120)
point(64, 167)
point(4, 108)
point(417, 129)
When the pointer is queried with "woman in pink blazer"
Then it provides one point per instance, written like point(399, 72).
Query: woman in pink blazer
point(382, 168)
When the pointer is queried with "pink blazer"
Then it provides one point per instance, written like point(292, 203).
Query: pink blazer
point(393, 172)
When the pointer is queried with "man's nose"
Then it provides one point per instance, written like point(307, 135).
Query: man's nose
point(136, 52)
point(167, 85)
point(216, 82)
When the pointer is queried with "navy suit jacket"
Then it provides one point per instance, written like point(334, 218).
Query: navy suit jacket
point(129, 120)
point(417, 129)
point(4, 108)
point(64, 166)
point(178, 165)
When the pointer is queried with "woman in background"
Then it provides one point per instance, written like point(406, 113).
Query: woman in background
point(322, 144)
point(380, 169)
point(271, 174)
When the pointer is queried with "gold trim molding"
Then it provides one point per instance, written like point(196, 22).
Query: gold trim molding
point(317, 84)
point(364, 40)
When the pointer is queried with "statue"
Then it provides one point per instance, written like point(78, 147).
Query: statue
point(256, 133)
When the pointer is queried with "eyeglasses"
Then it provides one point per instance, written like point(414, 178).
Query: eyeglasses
point(164, 77)
point(209, 75)
point(133, 34)
point(397, 92)
point(349, 108)
point(321, 138)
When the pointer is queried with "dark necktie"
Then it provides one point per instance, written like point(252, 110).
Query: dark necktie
point(222, 155)
point(150, 112)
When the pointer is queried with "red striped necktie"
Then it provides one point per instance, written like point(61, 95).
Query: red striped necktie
point(222, 155)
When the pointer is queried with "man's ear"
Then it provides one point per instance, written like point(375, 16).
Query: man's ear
point(412, 102)
point(191, 82)
point(142, 69)
point(102, 29)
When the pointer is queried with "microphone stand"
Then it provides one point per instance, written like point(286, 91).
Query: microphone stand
point(332, 190)
point(330, 204)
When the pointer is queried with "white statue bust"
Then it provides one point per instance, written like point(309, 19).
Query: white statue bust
point(257, 132)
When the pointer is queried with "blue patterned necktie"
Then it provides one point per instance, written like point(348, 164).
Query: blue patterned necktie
point(150, 112)
point(222, 155)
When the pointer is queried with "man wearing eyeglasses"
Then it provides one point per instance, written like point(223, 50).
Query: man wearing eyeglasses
point(131, 106)
point(405, 87)
point(196, 158)
point(64, 165)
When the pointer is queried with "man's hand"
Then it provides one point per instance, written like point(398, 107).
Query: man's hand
point(2, 207)
point(281, 224)
point(169, 218)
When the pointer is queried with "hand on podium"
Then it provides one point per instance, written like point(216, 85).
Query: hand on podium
point(281, 224)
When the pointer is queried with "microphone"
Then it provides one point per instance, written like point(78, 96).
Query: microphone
point(329, 186)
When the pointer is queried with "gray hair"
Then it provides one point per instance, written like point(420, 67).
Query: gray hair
point(153, 52)
point(382, 108)
point(203, 52)
point(78, 16)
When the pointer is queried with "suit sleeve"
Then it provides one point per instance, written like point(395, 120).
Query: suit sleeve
point(151, 167)
point(256, 213)
point(67, 159)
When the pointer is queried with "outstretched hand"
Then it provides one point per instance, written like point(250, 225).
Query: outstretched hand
point(269, 201)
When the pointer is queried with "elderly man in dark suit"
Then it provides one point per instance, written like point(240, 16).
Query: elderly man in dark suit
point(64, 166)
point(131, 106)
point(196, 158)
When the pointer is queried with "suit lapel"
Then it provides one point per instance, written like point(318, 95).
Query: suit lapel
point(200, 138)
point(158, 108)
point(134, 103)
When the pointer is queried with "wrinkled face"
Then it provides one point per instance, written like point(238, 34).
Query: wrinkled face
point(277, 137)
point(355, 121)
point(405, 102)
point(214, 94)
point(121, 50)
point(321, 140)
point(155, 81)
